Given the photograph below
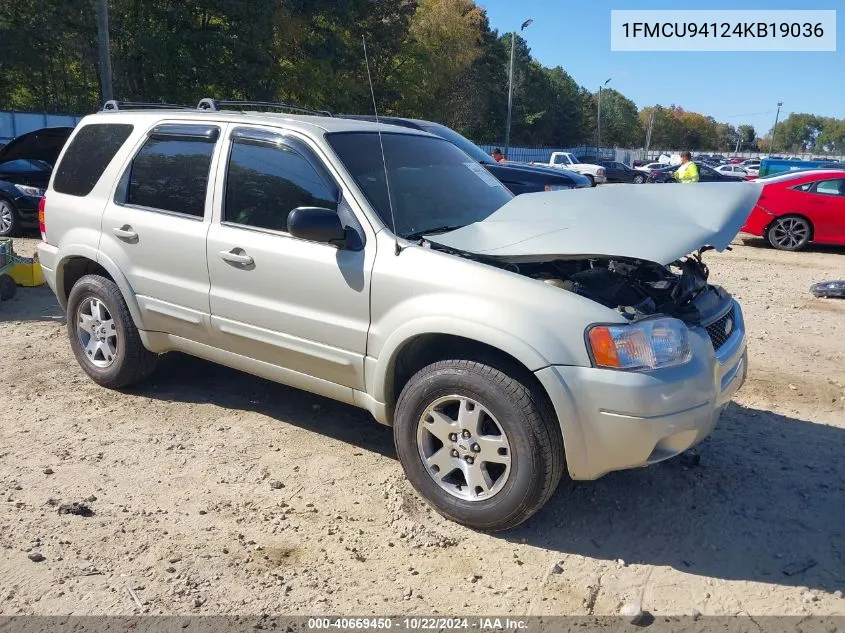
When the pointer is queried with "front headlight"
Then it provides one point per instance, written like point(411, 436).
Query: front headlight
point(600, 172)
point(33, 192)
point(556, 187)
point(648, 344)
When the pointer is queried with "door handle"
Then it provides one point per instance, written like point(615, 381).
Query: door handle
point(125, 232)
point(240, 258)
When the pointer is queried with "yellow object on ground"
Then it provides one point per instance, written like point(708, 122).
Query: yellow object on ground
point(27, 273)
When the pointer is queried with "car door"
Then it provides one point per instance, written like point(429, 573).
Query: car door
point(610, 170)
point(826, 210)
point(154, 227)
point(297, 305)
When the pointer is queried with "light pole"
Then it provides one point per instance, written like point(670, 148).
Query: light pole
point(598, 121)
point(775, 128)
point(525, 25)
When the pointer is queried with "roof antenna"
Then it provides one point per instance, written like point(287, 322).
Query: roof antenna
point(381, 145)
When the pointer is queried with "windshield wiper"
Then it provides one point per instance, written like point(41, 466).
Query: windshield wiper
point(436, 229)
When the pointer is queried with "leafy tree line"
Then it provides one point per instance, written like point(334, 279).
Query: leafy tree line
point(431, 59)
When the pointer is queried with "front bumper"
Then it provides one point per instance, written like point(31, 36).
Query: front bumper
point(600, 179)
point(27, 207)
point(615, 420)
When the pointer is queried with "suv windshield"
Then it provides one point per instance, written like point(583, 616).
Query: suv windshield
point(453, 137)
point(432, 183)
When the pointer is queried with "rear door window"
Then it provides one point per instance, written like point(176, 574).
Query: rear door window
point(170, 172)
point(89, 153)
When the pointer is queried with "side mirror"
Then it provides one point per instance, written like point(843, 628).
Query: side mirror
point(317, 224)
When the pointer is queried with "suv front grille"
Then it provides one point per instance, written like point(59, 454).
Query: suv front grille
point(721, 329)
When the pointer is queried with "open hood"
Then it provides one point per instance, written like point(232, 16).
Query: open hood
point(45, 144)
point(653, 223)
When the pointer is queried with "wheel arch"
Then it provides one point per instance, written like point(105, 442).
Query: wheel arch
point(791, 215)
point(76, 263)
point(396, 366)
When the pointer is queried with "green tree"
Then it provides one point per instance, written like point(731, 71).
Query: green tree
point(747, 137)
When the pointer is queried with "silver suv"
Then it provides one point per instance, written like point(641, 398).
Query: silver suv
point(505, 339)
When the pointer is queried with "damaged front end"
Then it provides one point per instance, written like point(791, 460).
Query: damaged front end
point(636, 289)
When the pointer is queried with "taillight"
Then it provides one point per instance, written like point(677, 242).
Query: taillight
point(42, 204)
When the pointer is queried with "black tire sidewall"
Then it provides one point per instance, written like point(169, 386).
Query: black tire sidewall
point(106, 291)
point(8, 287)
point(522, 480)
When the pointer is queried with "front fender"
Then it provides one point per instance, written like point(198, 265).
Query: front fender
point(380, 376)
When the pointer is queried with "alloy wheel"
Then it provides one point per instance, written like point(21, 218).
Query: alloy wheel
point(6, 218)
point(96, 332)
point(790, 233)
point(463, 448)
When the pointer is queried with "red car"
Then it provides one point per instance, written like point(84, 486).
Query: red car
point(800, 207)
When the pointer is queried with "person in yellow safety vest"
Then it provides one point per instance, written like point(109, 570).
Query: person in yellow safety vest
point(688, 171)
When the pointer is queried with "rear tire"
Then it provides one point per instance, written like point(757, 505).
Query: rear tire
point(789, 233)
point(520, 457)
point(10, 221)
point(103, 335)
point(638, 180)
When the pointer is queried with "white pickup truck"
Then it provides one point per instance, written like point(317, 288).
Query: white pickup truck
point(566, 160)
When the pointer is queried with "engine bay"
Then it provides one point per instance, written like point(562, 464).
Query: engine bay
point(635, 288)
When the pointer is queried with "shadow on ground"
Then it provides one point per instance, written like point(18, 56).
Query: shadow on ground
point(32, 304)
point(766, 501)
point(185, 379)
point(759, 242)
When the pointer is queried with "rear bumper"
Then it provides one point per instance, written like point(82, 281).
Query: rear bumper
point(758, 221)
point(48, 257)
point(615, 420)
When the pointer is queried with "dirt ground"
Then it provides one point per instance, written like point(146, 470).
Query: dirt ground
point(215, 492)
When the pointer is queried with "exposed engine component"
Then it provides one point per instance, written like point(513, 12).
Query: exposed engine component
point(635, 288)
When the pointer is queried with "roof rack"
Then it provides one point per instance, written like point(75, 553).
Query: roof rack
point(115, 105)
point(216, 104)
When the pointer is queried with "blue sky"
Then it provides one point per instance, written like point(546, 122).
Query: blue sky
point(741, 87)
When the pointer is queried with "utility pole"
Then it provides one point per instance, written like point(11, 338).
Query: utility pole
point(775, 128)
point(105, 58)
point(598, 123)
point(525, 24)
point(648, 133)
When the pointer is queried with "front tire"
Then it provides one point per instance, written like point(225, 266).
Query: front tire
point(591, 179)
point(103, 335)
point(10, 221)
point(789, 233)
point(480, 445)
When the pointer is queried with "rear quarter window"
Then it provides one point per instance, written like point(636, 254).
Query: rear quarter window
point(88, 155)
